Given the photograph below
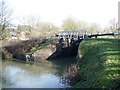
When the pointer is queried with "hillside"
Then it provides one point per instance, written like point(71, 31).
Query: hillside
point(99, 64)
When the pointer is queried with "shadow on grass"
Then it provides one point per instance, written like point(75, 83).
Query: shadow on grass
point(95, 61)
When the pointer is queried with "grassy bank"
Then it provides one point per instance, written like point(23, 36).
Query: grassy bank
point(99, 65)
point(41, 46)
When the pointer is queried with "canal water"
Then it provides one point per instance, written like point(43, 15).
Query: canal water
point(46, 74)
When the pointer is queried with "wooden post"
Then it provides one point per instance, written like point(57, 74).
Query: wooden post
point(27, 58)
point(83, 36)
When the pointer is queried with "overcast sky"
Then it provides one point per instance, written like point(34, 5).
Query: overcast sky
point(55, 11)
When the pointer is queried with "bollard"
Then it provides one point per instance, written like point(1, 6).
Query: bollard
point(27, 58)
point(30, 57)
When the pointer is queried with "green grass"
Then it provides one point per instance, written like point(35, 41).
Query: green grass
point(100, 63)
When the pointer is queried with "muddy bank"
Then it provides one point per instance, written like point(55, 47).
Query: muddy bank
point(19, 50)
point(41, 49)
point(44, 53)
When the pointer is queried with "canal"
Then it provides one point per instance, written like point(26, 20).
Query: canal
point(45, 74)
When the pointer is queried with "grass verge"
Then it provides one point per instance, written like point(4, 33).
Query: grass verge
point(100, 63)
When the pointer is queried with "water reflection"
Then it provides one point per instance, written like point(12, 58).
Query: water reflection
point(43, 75)
point(19, 78)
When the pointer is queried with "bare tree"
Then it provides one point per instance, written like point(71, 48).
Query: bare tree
point(94, 28)
point(47, 29)
point(31, 20)
point(70, 24)
point(113, 25)
point(5, 17)
point(36, 27)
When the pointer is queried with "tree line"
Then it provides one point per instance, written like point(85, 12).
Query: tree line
point(34, 26)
